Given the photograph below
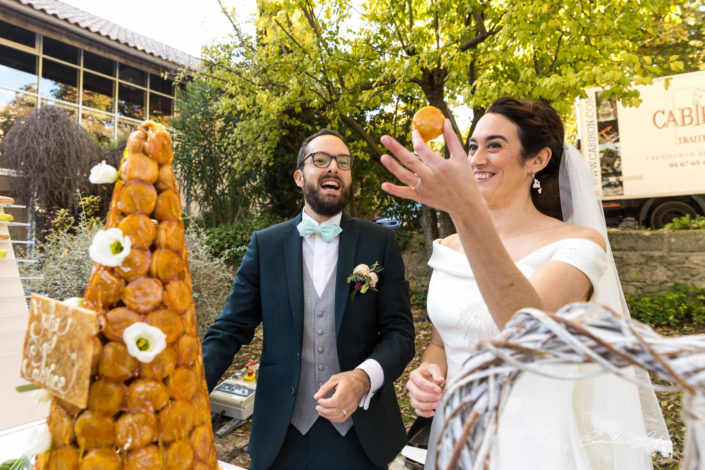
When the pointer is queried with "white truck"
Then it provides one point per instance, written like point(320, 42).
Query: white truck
point(648, 161)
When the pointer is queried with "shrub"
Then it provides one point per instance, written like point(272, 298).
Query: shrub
point(230, 241)
point(686, 223)
point(64, 263)
point(680, 303)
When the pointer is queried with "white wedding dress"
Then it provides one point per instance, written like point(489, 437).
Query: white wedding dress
point(546, 423)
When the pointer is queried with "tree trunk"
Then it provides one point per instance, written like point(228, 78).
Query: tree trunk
point(446, 225)
point(429, 223)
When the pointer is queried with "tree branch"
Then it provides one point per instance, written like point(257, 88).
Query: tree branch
point(375, 150)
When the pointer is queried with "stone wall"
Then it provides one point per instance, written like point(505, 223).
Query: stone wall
point(647, 261)
point(651, 261)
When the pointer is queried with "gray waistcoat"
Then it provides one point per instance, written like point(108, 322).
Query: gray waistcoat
point(319, 354)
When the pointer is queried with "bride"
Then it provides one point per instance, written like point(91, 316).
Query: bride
point(523, 240)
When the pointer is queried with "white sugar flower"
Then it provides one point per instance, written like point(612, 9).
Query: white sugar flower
point(42, 396)
point(144, 341)
point(103, 173)
point(109, 247)
point(73, 301)
point(38, 441)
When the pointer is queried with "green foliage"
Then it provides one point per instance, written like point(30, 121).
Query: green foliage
point(418, 292)
point(686, 223)
point(363, 68)
point(212, 279)
point(22, 463)
point(204, 160)
point(65, 265)
point(229, 242)
point(680, 303)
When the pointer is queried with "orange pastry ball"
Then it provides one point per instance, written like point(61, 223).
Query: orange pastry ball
point(429, 122)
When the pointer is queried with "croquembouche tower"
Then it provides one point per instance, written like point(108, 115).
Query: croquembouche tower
point(140, 414)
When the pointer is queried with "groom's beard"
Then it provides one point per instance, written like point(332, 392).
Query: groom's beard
point(324, 204)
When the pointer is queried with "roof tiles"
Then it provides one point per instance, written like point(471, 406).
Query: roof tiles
point(112, 31)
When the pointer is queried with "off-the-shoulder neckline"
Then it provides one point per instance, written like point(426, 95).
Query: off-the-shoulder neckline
point(437, 242)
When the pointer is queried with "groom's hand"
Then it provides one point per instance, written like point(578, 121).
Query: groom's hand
point(349, 388)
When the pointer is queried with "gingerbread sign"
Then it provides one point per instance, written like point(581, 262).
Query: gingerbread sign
point(58, 348)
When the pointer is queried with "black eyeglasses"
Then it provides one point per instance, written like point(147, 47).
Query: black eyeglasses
point(322, 160)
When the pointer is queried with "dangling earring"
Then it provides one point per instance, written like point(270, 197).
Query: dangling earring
point(536, 185)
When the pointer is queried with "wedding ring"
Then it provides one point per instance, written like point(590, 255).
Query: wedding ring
point(418, 183)
point(345, 413)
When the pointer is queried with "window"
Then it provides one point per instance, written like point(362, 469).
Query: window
point(18, 35)
point(60, 50)
point(99, 126)
point(98, 63)
point(14, 105)
point(130, 101)
point(161, 85)
point(18, 69)
point(71, 110)
point(161, 108)
point(98, 92)
point(59, 81)
point(132, 75)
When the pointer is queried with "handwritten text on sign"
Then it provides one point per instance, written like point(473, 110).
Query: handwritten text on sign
point(58, 348)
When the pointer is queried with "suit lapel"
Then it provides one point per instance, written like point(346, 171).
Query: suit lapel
point(346, 259)
point(293, 261)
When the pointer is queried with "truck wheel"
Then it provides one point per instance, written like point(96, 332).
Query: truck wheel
point(666, 211)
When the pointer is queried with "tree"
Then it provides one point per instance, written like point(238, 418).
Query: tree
point(53, 155)
point(348, 70)
point(204, 157)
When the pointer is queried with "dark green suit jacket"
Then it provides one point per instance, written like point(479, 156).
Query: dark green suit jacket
point(268, 288)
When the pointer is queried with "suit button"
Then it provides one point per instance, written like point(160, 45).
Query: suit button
point(293, 392)
point(320, 331)
point(319, 314)
point(321, 349)
point(298, 356)
point(320, 366)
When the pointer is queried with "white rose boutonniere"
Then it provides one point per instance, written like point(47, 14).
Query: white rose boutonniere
point(364, 278)
point(109, 247)
point(102, 173)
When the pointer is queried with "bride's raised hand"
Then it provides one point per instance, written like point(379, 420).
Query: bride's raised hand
point(444, 184)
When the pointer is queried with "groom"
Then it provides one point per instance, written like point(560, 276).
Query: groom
point(325, 391)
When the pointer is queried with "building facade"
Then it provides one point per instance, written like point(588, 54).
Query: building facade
point(108, 78)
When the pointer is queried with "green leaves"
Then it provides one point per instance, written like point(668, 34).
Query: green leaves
point(364, 67)
point(680, 303)
point(16, 464)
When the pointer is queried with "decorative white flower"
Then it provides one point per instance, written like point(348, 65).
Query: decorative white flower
point(103, 173)
point(42, 396)
point(144, 341)
point(109, 247)
point(38, 441)
point(73, 301)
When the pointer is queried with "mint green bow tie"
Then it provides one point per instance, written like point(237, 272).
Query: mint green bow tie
point(327, 232)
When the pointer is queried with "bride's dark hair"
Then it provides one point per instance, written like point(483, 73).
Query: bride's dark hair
point(539, 126)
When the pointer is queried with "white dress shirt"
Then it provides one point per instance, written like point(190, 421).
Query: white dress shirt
point(320, 259)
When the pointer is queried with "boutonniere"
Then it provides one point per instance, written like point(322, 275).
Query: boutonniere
point(364, 278)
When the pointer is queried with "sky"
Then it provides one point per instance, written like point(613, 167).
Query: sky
point(186, 25)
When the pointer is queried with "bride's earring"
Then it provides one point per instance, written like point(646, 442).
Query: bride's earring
point(536, 185)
